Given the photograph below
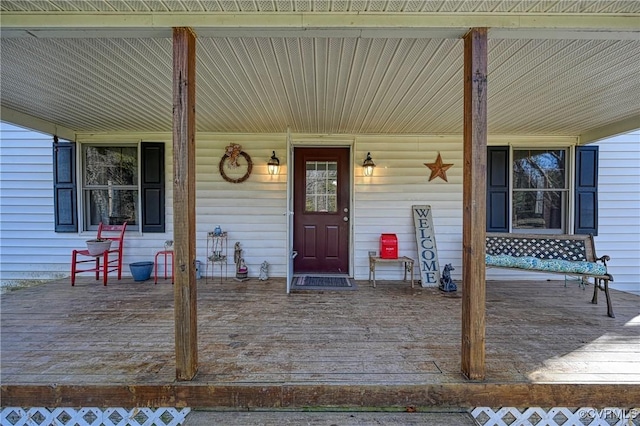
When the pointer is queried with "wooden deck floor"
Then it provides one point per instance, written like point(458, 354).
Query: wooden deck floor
point(546, 345)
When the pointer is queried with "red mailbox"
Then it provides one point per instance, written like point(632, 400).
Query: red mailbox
point(388, 246)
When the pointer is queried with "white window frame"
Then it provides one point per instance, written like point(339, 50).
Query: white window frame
point(568, 205)
point(83, 202)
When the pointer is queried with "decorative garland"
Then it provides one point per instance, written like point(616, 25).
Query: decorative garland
point(232, 154)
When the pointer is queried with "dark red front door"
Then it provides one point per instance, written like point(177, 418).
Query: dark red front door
point(321, 210)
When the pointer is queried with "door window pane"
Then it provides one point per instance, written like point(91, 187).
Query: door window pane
point(321, 186)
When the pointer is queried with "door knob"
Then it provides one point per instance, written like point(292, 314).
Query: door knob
point(346, 219)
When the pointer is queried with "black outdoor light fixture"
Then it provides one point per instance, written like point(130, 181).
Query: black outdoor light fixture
point(368, 165)
point(273, 166)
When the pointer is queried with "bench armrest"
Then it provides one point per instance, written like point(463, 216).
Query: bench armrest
point(604, 259)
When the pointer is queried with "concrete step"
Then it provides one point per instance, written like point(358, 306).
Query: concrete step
point(326, 418)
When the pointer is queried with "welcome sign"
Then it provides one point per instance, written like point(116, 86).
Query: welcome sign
point(427, 251)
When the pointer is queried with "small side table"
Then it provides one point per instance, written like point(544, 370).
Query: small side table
point(407, 261)
point(166, 254)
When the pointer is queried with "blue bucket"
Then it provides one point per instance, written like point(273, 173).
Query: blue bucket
point(141, 271)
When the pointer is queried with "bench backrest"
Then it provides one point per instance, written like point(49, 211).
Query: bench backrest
point(542, 246)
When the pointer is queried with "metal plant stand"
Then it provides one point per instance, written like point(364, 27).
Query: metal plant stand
point(217, 254)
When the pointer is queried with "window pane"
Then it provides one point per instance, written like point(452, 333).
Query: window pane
point(321, 186)
point(111, 206)
point(111, 165)
point(539, 169)
point(110, 185)
point(539, 189)
point(538, 209)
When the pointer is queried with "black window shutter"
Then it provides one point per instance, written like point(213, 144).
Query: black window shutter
point(498, 189)
point(586, 195)
point(152, 187)
point(64, 186)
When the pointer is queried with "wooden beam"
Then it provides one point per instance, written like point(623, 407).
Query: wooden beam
point(184, 204)
point(474, 204)
point(288, 396)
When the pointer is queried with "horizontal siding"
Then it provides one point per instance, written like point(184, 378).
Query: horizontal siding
point(383, 202)
point(619, 209)
point(253, 212)
point(26, 207)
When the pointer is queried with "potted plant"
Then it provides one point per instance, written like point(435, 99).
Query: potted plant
point(98, 246)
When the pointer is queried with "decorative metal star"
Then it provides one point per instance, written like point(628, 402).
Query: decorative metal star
point(438, 169)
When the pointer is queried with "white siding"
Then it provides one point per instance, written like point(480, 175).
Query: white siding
point(383, 202)
point(30, 249)
point(253, 212)
point(619, 209)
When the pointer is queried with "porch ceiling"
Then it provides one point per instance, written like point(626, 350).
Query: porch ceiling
point(567, 75)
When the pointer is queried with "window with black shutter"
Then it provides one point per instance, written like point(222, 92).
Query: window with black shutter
point(498, 189)
point(537, 200)
point(586, 190)
point(64, 186)
point(152, 187)
point(111, 182)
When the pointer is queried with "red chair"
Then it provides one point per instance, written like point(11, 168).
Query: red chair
point(111, 259)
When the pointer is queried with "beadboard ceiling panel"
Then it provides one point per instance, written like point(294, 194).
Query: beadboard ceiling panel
point(395, 6)
point(328, 84)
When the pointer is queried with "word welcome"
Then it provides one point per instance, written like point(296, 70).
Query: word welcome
point(426, 241)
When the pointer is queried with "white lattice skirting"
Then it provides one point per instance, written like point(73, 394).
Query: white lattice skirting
point(557, 416)
point(484, 416)
point(92, 416)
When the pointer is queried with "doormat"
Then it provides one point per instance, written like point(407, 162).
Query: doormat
point(322, 282)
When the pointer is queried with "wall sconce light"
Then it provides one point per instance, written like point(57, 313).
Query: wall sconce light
point(368, 165)
point(273, 166)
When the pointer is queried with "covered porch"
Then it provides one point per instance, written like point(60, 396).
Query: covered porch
point(390, 346)
point(131, 75)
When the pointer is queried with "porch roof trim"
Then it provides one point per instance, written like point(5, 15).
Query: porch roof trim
point(320, 24)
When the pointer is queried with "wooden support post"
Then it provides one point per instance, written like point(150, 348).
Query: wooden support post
point(474, 204)
point(184, 202)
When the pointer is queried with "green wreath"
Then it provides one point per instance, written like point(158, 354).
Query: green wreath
point(224, 159)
